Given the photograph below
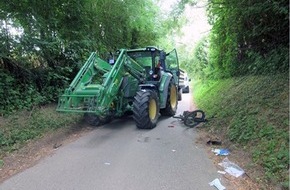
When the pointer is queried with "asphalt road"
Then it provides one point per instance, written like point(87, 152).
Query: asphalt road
point(118, 156)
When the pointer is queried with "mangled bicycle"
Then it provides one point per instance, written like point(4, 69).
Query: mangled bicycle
point(192, 118)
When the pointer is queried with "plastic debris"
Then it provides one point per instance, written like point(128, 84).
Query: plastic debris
point(107, 163)
point(173, 150)
point(232, 168)
point(221, 152)
point(222, 172)
point(217, 184)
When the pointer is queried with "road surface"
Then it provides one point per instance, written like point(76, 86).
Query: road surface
point(118, 156)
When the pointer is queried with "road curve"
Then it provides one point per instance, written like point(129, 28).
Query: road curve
point(118, 156)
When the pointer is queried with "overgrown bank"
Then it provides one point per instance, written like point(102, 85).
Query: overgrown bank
point(252, 113)
point(18, 129)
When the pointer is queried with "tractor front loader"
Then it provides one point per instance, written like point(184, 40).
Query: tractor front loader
point(143, 82)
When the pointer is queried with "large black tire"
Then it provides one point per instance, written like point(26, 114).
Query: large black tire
point(146, 109)
point(172, 100)
point(95, 120)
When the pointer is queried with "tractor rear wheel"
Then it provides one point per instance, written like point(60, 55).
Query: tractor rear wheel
point(179, 95)
point(172, 101)
point(146, 109)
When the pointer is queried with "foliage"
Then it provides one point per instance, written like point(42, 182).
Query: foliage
point(177, 12)
point(46, 42)
point(248, 37)
point(199, 63)
point(171, 23)
point(253, 113)
point(23, 96)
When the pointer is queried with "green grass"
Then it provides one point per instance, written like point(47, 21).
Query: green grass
point(252, 112)
point(17, 129)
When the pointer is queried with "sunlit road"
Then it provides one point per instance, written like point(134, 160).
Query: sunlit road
point(119, 156)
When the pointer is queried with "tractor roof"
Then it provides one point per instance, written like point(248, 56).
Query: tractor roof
point(148, 48)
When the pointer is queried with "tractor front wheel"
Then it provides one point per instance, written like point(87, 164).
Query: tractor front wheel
point(146, 109)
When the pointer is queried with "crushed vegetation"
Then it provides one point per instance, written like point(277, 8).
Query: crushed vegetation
point(252, 114)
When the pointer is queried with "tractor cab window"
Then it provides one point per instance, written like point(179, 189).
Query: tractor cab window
point(150, 60)
point(143, 58)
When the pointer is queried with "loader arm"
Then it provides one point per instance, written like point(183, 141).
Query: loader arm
point(97, 84)
point(88, 70)
point(114, 79)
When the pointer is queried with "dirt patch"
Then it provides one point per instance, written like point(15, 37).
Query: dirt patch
point(249, 180)
point(36, 150)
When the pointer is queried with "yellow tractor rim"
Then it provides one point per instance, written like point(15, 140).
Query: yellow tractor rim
point(173, 96)
point(152, 109)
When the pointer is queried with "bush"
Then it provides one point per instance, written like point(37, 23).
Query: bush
point(15, 96)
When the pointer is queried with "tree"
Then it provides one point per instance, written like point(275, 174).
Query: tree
point(56, 36)
point(247, 33)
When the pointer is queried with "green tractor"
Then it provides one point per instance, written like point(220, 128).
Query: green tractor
point(142, 82)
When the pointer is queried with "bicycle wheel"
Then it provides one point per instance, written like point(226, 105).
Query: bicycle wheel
point(194, 118)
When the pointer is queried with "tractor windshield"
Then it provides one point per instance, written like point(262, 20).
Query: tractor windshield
point(144, 58)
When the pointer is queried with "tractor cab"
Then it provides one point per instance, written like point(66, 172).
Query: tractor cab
point(155, 61)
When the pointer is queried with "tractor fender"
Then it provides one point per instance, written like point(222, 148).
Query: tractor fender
point(147, 86)
point(163, 89)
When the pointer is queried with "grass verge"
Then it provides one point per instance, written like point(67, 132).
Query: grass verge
point(252, 114)
point(18, 129)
